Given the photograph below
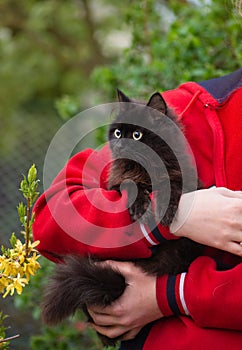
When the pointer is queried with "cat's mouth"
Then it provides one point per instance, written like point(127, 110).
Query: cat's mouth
point(132, 159)
point(135, 153)
point(126, 163)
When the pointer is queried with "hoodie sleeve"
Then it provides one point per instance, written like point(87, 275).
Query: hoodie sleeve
point(210, 292)
point(78, 215)
point(210, 296)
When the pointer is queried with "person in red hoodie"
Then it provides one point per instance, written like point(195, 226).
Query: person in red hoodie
point(196, 309)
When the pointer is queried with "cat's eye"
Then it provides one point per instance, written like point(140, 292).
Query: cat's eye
point(137, 135)
point(117, 133)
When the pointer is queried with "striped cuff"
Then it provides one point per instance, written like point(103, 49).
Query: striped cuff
point(156, 233)
point(170, 295)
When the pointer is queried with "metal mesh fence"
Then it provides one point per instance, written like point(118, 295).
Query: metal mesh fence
point(24, 141)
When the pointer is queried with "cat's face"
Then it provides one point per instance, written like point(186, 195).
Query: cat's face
point(125, 138)
point(133, 130)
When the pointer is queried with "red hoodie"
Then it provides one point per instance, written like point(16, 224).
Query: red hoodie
point(203, 307)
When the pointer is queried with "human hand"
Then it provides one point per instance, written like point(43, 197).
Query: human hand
point(133, 310)
point(212, 217)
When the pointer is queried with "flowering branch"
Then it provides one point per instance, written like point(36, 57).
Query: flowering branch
point(19, 263)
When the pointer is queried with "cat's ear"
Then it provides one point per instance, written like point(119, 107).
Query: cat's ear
point(157, 102)
point(122, 97)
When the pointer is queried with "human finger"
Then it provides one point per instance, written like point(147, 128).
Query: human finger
point(131, 334)
point(122, 266)
point(229, 193)
point(109, 331)
point(234, 248)
point(102, 319)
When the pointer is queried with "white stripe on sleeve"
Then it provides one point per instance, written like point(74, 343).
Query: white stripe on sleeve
point(146, 235)
point(181, 292)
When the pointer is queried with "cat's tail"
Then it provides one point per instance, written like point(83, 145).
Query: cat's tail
point(77, 283)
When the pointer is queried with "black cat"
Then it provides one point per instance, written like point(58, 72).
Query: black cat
point(149, 155)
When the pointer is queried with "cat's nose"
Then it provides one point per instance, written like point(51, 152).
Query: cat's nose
point(117, 150)
point(116, 147)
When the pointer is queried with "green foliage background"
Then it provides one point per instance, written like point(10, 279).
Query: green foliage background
point(61, 56)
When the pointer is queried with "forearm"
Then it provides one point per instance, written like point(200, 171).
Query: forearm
point(78, 214)
point(204, 294)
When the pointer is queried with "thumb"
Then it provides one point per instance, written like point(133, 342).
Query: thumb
point(126, 268)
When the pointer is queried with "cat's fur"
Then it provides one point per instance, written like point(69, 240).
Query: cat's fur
point(81, 281)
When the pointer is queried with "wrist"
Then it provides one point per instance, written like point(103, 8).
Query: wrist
point(186, 205)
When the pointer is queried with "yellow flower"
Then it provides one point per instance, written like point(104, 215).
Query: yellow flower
point(17, 283)
point(31, 265)
point(16, 268)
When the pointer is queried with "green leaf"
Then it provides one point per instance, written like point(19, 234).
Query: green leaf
point(32, 174)
point(24, 187)
point(22, 210)
point(13, 240)
point(3, 250)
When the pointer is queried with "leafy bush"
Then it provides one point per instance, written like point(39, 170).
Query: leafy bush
point(198, 42)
